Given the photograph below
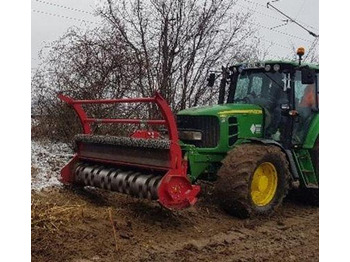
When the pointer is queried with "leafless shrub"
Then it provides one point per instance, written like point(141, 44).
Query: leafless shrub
point(143, 47)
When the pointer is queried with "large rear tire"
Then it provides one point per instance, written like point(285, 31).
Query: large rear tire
point(253, 180)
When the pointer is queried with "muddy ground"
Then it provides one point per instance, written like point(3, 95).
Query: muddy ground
point(75, 225)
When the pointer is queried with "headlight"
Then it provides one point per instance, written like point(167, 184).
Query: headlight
point(276, 67)
point(190, 135)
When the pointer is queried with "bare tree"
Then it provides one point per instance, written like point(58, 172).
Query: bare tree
point(176, 43)
point(85, 65)
point(312, 54)
point(142, 47)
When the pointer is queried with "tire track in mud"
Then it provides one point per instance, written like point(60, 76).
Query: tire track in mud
point(148, 232)
point(279, 240)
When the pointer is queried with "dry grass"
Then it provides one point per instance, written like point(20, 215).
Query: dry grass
point(63, 221)
point(51, 217)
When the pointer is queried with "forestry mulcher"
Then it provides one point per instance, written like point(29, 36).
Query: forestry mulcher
point(257, 143)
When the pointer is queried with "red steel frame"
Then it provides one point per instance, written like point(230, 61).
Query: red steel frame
point(175, 190)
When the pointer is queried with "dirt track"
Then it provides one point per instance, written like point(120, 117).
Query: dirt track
point(76, 226)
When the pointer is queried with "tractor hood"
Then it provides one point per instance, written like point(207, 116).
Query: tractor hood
point(223, 110)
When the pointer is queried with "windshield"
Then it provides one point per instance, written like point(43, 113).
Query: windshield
point(261, 88)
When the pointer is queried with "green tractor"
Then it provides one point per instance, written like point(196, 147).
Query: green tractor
point(260, 141)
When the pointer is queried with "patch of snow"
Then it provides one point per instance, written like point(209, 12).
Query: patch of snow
point(48, 158)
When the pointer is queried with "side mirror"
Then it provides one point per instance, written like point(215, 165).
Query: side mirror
point(211, 80)
point(307, 76)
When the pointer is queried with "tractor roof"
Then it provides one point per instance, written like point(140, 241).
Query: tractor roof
point(288, 62)
point(293, 63)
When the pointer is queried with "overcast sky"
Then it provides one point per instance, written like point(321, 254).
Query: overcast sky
point(51, 18)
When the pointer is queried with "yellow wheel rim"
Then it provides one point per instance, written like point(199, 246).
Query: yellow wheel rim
point(264, 184)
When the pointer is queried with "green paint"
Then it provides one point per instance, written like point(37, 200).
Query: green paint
point(312, 133)
point(305, 168)
point(207, 160)
point(217, 110)
point(245, 121)
point(204, 162)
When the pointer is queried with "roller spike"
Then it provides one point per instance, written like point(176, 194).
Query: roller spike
point(113, 179)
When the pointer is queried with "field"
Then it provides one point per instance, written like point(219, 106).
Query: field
point(82, 225)
point(76, 225)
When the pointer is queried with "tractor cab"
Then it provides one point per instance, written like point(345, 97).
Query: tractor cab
point(286, 91)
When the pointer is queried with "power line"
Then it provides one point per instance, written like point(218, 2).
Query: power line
point(312, 47)
point(260, 13)
point(82, 20)
point(65, 7)
point(254, 3)
point(280, 32)
point(298, 13)
point(292, 20)
point(62, 16)
point(270, 16)
point(274, 43)
point(262, 26)
point(267, 28)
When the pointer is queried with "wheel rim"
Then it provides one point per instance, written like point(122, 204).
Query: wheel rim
point(264, 184)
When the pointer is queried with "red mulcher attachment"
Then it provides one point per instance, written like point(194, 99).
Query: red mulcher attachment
point(142, 165)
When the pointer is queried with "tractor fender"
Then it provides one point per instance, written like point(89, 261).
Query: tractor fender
point(292, 164)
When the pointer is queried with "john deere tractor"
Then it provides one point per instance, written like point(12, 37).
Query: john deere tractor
point(258, 142)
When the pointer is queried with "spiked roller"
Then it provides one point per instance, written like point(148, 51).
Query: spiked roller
point(142, 165)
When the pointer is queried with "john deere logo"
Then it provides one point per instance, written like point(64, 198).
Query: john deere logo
point(255, 129)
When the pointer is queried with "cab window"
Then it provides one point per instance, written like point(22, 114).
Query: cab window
point(305, 95)
point(305, 103)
